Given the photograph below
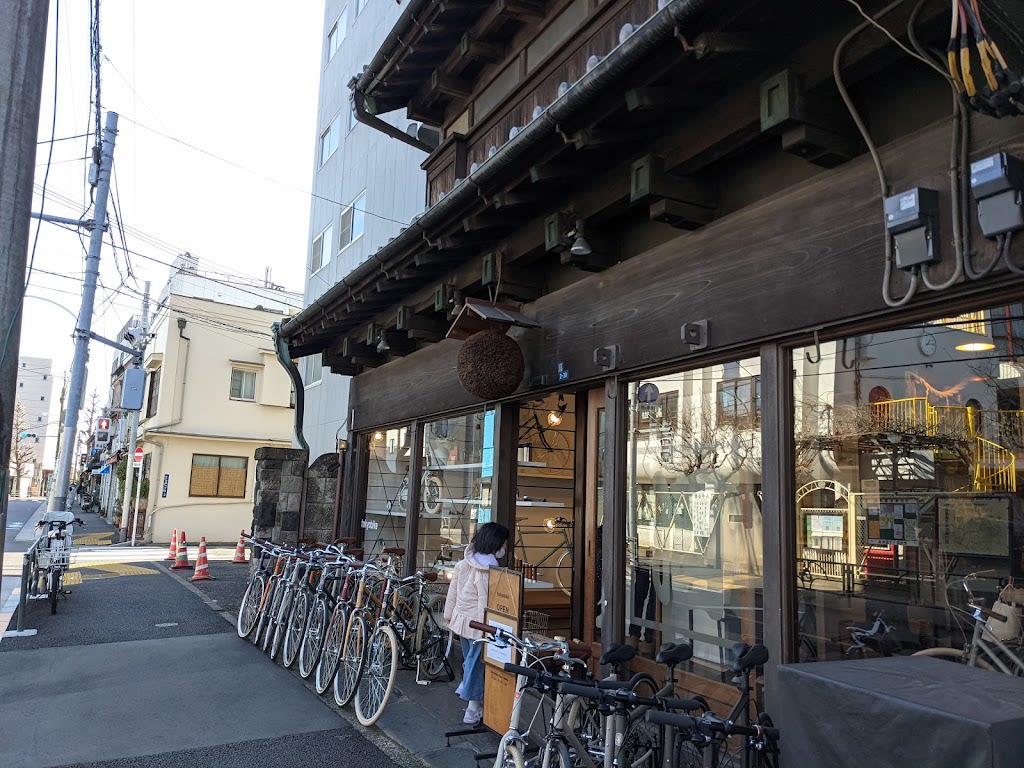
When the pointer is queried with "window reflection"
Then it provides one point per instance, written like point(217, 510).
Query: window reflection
point(907, 449)
point(387, 489)
point(694, 521)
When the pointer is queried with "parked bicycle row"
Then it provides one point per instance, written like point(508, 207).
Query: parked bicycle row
point(350, 623)
point(618, 721)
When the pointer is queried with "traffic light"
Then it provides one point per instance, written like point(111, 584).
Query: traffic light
point(23, 435)
point(102, 435)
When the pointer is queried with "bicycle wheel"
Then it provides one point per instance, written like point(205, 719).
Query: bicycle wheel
point(643, 684)
point(587, 723)
point(556, 754)
point(313, 638)
point(249, 611)
point(266, 605)
point(640, 745)
point(54, 588)
point(378, 678)
point(351, 661)
point(281, 621)
point(433, 641)
point(563, 571)
point(431, 495)
point(327, 666)
point(685, 754)
point(295, 628)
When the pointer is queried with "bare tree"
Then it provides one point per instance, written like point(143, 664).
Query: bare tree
point(86, 433)
point(701, 439)
point(23, 450)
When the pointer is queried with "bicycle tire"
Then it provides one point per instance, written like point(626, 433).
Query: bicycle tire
point(563, 572)
point(958, 655)
point(643, 684)
point(556, 754)
point(351, 659)
point(54, 588)
point(266, 605)
point(433, 641)
point(378, 676)
point(513, 757)
point(248, 611)
point(295, 628)
point(685, 754)
point(312, 638)
point(281, 621)
point(432, 495)
point(327, 665)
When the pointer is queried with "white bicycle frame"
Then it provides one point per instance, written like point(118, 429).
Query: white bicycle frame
point(985, 641)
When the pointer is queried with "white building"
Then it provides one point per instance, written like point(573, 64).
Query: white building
point(42, 421)
point(366, 186)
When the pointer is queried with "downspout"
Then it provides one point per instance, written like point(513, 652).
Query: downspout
point(367, 118)
point(281, 348)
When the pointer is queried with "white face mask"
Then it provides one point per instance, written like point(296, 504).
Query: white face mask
point(500, 553)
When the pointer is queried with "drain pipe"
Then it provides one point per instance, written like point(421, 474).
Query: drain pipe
point(281, 348)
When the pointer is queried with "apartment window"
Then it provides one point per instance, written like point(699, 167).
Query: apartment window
point(321, 251)
point(314, 369)
point(337, 34)
point(353, 221)
point(360, 4)
point(329, 140)
point(739, 401)
point(153, 396)
point(218, 476)
point(243, 384)
point(352, 115)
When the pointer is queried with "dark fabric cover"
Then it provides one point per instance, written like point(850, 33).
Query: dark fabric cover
point(900, 712)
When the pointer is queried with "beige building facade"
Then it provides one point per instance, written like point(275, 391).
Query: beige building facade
point(215, 393)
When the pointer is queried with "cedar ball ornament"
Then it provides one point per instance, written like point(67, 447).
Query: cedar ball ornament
point(490, 365)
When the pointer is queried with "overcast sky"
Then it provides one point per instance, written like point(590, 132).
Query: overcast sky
point(214, 155)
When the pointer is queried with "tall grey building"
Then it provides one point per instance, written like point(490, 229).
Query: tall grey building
point(366, 186)
point(41, 426)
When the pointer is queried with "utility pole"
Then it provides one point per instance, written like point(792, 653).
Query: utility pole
point(81, 358)
point(139, 343)
point(22, 56)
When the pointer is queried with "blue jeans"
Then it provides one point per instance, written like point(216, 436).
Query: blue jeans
point(472, 671)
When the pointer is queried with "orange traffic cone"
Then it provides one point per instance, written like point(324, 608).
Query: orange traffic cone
point(181, 559)
point(240, 549)
point(172, 550)
point(202, 564)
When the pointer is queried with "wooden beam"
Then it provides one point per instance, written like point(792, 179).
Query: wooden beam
point(478, 50)
point(450, 86)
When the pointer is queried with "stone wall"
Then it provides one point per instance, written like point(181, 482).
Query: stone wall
point(279, 492)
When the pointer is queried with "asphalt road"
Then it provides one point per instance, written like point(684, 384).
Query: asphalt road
point(140, 668)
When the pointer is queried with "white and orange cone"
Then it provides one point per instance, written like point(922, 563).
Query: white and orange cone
point(172, 550)
point(181, 559)
point(202, 564)
point(240, 549)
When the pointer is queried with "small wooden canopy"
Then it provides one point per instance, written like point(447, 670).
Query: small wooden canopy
point(478, 315)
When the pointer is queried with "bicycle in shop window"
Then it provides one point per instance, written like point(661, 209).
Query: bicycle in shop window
point(558, 557)
point(431, 492)
point(544, 444)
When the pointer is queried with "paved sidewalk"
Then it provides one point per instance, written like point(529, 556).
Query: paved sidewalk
point(140, 609)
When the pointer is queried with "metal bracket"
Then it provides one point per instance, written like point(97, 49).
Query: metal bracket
point(695, 334)
point(607, 357)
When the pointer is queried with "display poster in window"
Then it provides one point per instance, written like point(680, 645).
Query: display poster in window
point(975, 525)
point(701, 513)
point(892, 522)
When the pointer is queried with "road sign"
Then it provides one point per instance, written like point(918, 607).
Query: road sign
point(138, 456)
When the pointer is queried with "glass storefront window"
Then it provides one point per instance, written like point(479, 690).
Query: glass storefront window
point(908, 444)
point(694, 521)
point(455, 489)
point(387, 489)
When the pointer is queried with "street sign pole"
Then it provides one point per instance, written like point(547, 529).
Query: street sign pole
point(138, 491)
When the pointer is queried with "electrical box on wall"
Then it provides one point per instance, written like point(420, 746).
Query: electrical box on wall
point(996, 182)
point(912, 220)
point(134, 390)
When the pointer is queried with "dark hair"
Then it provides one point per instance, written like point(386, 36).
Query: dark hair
point(489, 538)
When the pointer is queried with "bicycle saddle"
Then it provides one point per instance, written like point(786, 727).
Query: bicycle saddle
point(616, 654)
point(673, 653)
point(747, 656)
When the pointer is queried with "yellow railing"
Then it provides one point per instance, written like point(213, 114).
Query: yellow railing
point(994, 464)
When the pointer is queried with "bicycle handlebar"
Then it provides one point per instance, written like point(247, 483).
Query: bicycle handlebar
point(704, 724)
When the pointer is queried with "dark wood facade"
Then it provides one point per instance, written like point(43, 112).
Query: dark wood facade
point(700, 210)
